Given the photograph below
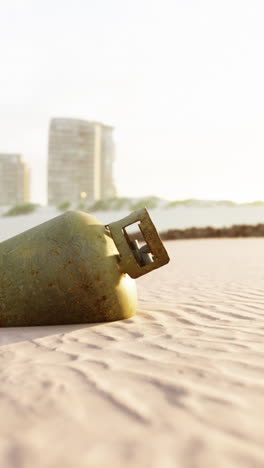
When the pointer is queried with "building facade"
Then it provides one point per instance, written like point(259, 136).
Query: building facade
point(14, 180)
point(80, 164)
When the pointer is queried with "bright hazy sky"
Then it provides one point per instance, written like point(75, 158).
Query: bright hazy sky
point(182, 81)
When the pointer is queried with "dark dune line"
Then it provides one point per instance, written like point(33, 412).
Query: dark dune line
point(238, 230)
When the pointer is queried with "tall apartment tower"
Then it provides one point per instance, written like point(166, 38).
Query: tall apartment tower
point(14, 180)
point(81, 155)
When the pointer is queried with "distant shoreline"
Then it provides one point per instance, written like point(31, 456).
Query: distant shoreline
point(208, 232)
point(237, 230)
point(176, 223)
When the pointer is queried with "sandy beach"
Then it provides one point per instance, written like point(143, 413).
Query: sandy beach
point(112, 108)
point(180, 384)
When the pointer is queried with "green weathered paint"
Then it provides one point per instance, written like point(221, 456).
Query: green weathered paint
point(63, 271)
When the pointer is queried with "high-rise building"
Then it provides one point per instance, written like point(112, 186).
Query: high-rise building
point(81, 155)
point(14, 180)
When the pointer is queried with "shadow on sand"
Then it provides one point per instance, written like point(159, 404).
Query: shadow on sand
point(13, 335)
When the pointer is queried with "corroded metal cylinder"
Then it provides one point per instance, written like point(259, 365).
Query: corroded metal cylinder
point(67, 270)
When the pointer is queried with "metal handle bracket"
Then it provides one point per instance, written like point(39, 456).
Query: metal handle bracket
point(134, 260)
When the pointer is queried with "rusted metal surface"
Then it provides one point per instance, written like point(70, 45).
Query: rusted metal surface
point(72, 269)
point(63, 271)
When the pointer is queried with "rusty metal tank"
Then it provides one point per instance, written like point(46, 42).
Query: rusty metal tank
point(73, 269)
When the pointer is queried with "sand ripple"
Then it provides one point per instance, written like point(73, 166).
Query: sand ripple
point(181, 384)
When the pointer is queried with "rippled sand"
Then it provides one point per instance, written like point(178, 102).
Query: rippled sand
point(179, 385)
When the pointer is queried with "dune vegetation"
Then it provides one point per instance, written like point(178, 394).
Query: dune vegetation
point(25, 208)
